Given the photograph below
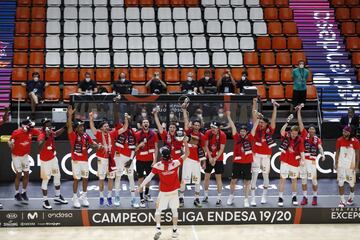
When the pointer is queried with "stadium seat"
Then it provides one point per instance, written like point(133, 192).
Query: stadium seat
point(121, 59)
point(152, 59)
point(267, 3)
point(24, 2)
point(186, 59)
point(268, 59)
point(261, 91)
point(342, 14)
point(22, 28)
point(177, 3)
point(235, 59)
point(70, 2)
point(149, 29)
point(52, 75)
point(285, 14)
point(36, 59)
point(103, 75)
point(38, 13)
point(271, 14)
point(200, 72)
point(20, 59)
point(22, 13)
point(218, 73)
point(192, 3)
point(263, 43)
point(37, 42)
point(236, 73)
point(348, 28)
point(170, 59)
point(21, 43)
point(117, 3)
point(69, 89)
point(289, 92)
point(39, 70)
point(240, 14)
point(254, 75)
point(137, 74)
point(338, 3)
point(358, 28)
point(282, 3)
point(213, 28)
point(194, 13)
point(256, 14)
point(52, 93)
point(117, 14)
point(54, 14)
point(285, 76)
point(297, 56)
point(19, 75)
point(352, 3)
point(18, 93)
point(52, 28)
point(100, 14)
point(283, 59)
point(274, 28)
point(141, 89)
point(151, 44)
point(311, 93)
point(260, 28)
point(183, 43)
point(132, 14)
point(353, 43)
point(355, 58)
point(276, 92)
point(174, 89)
point(294, 43)
point(70, 76)
point(251, 59)
point(231, 44)
point(150, 73)
point(272, 76)
point(202, 59)
point(243, 28)
point(219, 59)
point(101, 3)
point(211, 14)
point(355, 13)
point(247, 43)
point(289, 28)
point(172, 75)
point(185, 71)
point(279, 43)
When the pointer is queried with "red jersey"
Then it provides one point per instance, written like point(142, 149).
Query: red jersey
point(347, 150)
point(261, 146)
point(214, 142)
point(168, 174)
point(292, 154)
point(107, 142)
point(47, 153)
point(193, 152)
point(125, 142)
point(174, 144)
point(146, 153)
point(79, 146)
point(242, 149)
point(311, 145)
point(22, 140)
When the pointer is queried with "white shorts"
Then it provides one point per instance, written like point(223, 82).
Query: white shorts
point(103, 169)
point(288, 171)
point(49, 168)
point(168, 200)
point(21, 163)
point(191, 171)
point(346, 175)
point(120, 161)
point(261, 163)
point(80, 169)
point(308, 171)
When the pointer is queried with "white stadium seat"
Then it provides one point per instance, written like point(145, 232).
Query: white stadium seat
point(134, 28)
point(102, 59)
point(199, 43)
point(216, 44)
point(87, 59)
point(219, 59)
point(70, 28)
point(117, 3)
point(228, 28)
point(202, 59)
point(101, 14)
point(194, 13)
point(100, 3)
point(151, 44)
point(179, 14)
point(231, 44)
point(240, 14)
point(119, 44)
point(223, 3)
point(118, 29)
point(170, 59)
point(166, 28)
point(196, 27)
point(243, 28)
point(85, 14)
point(208, 3)
point(252, 3)
point(213, 28)
point(149, 29)
point(71, 59)
point(86, 43)
point(101, 42)
point(256, 14)
point(121, 59)
point(70, 2)
point(235, 59)
point(52, 43)
point(53, 13)
point(152, 59)
point(168, 43)
point(54, 3)
point(147, 14)
point(186, 59)
point(52, 59)
point(136, 59)
point(183, 43)
point(132, 14)
point(101, 28)
point(135, 44)
point(164, 14)
point(85, 3)
point(70, 13)
point(70, 43)
point(225, 14)
point(181, 28)
point(237, 3)
point(211, 14)
point(86, 28)
point(247, 43)
point(260, 28)
point(53, 28)
point(117, 14)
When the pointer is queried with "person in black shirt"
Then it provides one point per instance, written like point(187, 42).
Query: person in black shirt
point(244, 81)
point(190, 85)
point(156, 85)
point(35, 89)
point(207, 81)
point(227, 83)
point(87, 86)
point(122, 86)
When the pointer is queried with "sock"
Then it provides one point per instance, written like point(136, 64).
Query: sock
point(174, 228)
point(16, 191)
point(141, 195)
point(132, 194)
point(206, 193)
point(158, 226)
point(109, 194)
point(101, 194)
point(84, 194)
point(281, 194)
point(57, 192)
point(305, 193)
point(218, 196)
point(352, 195)
point(253, 193)
point(315, 194)
point(45, 198)
point(342, 198)
point(182, 194)
point(293, 194)
point(24, 191)
point(75, 195)
point(264, 191)
point(231, 195)
point(147, 191)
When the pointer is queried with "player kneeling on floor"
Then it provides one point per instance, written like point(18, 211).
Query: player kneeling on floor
point(49, 164)
point(242, 158)
point(167, 169)
point(346, 163)
point(292, 156)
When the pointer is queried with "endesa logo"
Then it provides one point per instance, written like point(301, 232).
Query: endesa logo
point(60, 215)
point(11, 216)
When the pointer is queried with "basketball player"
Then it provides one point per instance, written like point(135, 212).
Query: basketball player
point(313, 145)
point(20, 143)
point(49, 164)
point(4, 119)
point(191, 170)
point(262, 150)
point(346, 164)
point(215, 141)
point(146, 155)
point(167, 169)
point(242, 158)
point(105, 155)
point(80, 141)
point(292, 156)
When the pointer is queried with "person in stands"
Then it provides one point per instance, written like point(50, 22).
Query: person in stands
point(227, 83)
point(156, 85)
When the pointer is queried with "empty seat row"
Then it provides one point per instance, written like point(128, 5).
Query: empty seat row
point(226, 3)
point(278, 43)
point(280, 93)
point(350, 28)
point(282, 14)
point(345, 14)
point(343, 3)
point(120, 3)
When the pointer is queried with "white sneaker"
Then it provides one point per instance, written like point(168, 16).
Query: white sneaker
point(246, 203)
point(142, 203)
point(134, 203)
point(76, 202)
point(253, 202)
point(157, 235)
point(148, 198)
point(175, 234)
point(230, 200)
point(85, 202)
point(263, 199)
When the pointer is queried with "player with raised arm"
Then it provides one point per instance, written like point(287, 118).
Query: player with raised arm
point(167, 169)
point(346, 164)
point(191, 170)
point(20, 143)
point(292, 156)
point(262, 149)
point(242, 158)
point(105, 155)
point(49, 164)
point(80, 141)
point(146, 156)
point(313, 146)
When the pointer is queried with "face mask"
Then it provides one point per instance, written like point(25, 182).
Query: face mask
point(87, 79)
point(243, 78)
point(221, 115)
point(199, 115)
point(143, 114)
point(122, 79)
point(36, 79)
point(207, 78)
point(171, 115)
point(189, 79)
point(226, 75)
point(301, 66)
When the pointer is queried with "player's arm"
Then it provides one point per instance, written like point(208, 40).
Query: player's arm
point(256, 124)
point(147, 85)
point(140, 145)
point(126, 124)
point(231, 123)
point(254, 110)
point(69, 122)
point(92, 124)
point(274, 114)
point(299, 118)
point(157, 120)
point(93, 144)
point(60, 131)
point(321, 150)
point(220, 152)
point(283, 129)
point(156, 152)
point(186, 149)
point(185, 115)
point(147, 180)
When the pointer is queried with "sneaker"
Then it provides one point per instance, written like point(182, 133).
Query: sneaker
point(109, 201)
point(60, 199)
point(157, 235)
point(148, 198)
point(25, 198)
point(263, 199)
point(46, 204)
point(76, 202)
point(85, 202)
point(314, 201)
point(101, 201)
point(18, 197)
point(281, 202)
point(205, 200)
point(197, 202)
point(246, 203)
point(304, 201)
point(142, 203)
point(294, 201)
point(350, 202)
point(341, 204)
point(117, 200)
point(230, 200)
point(253, 202)
point(181, 202)
point(1, 206)
point(218, 203)
point(175, 233)
point(134, 203)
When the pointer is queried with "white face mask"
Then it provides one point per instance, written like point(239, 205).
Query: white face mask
point(199, 115)
point(122, 79)
point(143, 114)
point(207, 78)
point(171, 115)
point(189, 79)
point(87, 79)
point(243, 78)
point(221, 115)
point(301, 65)
point(36, 79)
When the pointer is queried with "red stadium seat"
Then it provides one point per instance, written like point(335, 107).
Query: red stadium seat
point(353, 43)
point(146, 3)
point(69, 89)
point(267, 59)
point(37, 42)
point(19, 75)
point(36, 59)
point(289, 28)
point(282, 3)
point(40, 70)
point(352, 3)
point(219, 73)
point(348, 28)
point(358, 75)
point(285, 14)
point(162, 3)
point(22, 13)
point(267, 3)
point(83, 71)
point(38, 28)
point(71, 76)
point(311, 93)
point(137, 75)
point(272, 76)
point(20, 59)
point(261, 91)
point(177, 3)
point(103, 75)
point(283, 58)
point(338, 3)
point(294, 43)
point(279, 43)
point(151, 71)
point(342, 14)
point(131, 3)
point(297, 56)
point(174, 89)
point(172, 75)
point(289, 92)
point(274, 28)
point(237, 73)
point(185, 71)
point(22, 28)
point(355, 13)
point(251, 59)
point(254, 75)
point(52, 75)
point(21, 43)
point(263, 43)
point(52, 93)
point(201, 71)
point(192, 3)
point(271, 14)
point(18, 93)
point(285, 76)
point(24, 2)
point(276, 92)
point(38, 13)
point(141, 89)
point(39, 2)
point(358, 28)
point(356, 58)
point(117, 72)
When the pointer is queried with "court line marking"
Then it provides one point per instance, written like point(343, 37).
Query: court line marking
point(196, 237)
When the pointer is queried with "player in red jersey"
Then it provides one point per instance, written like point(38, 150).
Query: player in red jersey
point(105, 155)
point(4, 119)
point(191, 170)
point(262, 150)
point(49, 164)
point(292, 156)
point(215, 141)
point(146, 156)
point(80, 141)
point(167, 169)
point(20, 143)
point(346, 164)
point(242, 158)
point(313, 146)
